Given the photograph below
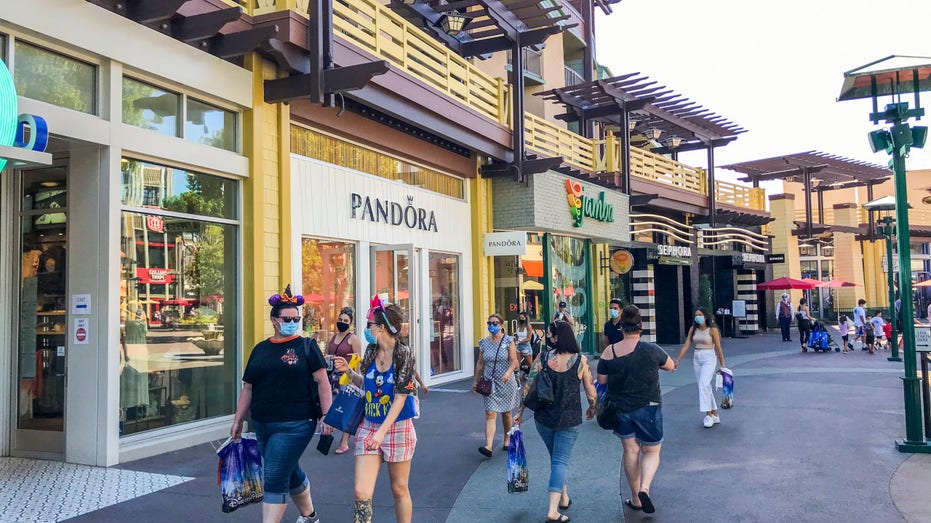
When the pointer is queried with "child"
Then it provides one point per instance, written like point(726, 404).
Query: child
point(843, 325)
point(877, 322)
point(887, 332)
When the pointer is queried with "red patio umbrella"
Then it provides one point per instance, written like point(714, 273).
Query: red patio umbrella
point(834, 284)
point(784, 283)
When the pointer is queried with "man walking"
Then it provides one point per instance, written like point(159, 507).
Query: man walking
point(859, 322)
point(613, 331)
point(784, 312)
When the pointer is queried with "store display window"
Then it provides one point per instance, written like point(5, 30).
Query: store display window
point(569, 278)
point(178, 308)
point(445, 311)
point(328, 285)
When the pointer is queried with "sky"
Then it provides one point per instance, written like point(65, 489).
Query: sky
point(774, 68)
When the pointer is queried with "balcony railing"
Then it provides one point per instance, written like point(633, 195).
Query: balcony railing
point(740, 195)
point(375, 28)
point(533, 62)
point(573, 78)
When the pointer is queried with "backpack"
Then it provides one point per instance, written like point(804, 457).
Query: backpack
point(535, 342)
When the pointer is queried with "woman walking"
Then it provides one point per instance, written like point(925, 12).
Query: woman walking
point(706, 338)
point(343, 344)
point(630, 368)
point(558, 424)
point(387, 431)
point(524, 337)
point(497, 362)
point(285, 387)
point(803, 316)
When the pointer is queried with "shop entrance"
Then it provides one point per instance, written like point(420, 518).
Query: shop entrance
point(40, 326)
point(393, 279)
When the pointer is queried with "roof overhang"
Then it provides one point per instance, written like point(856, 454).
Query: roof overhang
point(887, 76)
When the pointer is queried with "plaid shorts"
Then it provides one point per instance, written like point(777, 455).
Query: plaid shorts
point(398, 445)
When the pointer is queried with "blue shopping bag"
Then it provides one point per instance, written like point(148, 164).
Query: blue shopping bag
point(240, 473)
point(346, 412)
point(727, 380)
point(518, 476)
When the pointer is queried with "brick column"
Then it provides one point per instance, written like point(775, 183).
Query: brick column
point(848, 258)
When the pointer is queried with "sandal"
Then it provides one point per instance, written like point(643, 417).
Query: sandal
point(342, 449)
point(646, 502)
point(630, 503)
point(566, 506)
point(561, 519)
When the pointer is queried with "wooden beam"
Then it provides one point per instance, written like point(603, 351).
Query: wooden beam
point(199, 27)
point(488, 45)
point(240, 43)
point(288, 57)
point(151, 11)
point(352, 77)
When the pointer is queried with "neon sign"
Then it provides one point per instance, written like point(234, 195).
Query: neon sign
point(14, 126)
point(581, 206)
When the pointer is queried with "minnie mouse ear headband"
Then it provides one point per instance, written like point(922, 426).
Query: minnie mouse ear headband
point(377, 306)
point(286, 298)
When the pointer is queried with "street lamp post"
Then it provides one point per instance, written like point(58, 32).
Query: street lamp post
point(895, 76)
point(887, 229)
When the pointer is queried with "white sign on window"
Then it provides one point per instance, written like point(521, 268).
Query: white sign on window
point(511, 243)
point(922, 339)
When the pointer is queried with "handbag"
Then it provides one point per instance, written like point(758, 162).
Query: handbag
point(346, 412)
point(484, 386)
point(541, 394)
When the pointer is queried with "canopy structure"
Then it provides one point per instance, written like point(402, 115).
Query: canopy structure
point(887, 76)
point(817, 172)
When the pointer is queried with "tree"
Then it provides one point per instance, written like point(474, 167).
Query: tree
point(705, 298)
point(207, 271)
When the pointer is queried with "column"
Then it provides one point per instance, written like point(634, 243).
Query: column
point(642, 295)
point(782, 208)
point(848, 258)
point(746, 290)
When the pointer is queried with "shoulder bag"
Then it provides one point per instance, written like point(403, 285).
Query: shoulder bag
point(606, 412)
point(484, 386)
point(541, 394)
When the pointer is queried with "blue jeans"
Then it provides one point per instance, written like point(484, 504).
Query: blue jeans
point(559, 443)
point(281, 444)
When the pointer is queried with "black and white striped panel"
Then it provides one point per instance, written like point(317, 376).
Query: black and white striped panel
point(642, 295)
point(746, 290)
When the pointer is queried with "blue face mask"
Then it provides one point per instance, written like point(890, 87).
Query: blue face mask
point(494, 329)
point(614, 313)
point(369, 337)
point(288, 329)
point(699, 320)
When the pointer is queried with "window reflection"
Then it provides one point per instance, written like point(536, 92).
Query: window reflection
point(149, 107)
point(328, 284)
point(210, 125)
point(445, 313)
point(569, 279)
point(54, 78)
point(161, 187)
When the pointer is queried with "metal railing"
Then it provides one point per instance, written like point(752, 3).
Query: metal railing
point(573, 77)
point(533, 61)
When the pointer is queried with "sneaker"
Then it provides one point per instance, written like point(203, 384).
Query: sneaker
point(716, 419)
point(708, 422)
point(313, 518)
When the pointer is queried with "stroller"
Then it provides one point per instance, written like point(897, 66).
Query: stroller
point(820, 340)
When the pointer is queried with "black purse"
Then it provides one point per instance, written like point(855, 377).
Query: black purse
point(541, 394)
point(485, 386)
point(606, 411)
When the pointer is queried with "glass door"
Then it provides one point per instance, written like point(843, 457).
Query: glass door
point(393, 281)
point(41, 348)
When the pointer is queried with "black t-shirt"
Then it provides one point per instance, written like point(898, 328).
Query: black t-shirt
point(283, 388)
point(641, 385)
point(613, 332)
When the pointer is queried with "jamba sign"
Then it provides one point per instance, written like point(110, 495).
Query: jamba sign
point(581, 206)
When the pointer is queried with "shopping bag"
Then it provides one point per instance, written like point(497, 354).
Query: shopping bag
point(518, 477)
point(240, 472)
point(346, 412)
point(727, 382)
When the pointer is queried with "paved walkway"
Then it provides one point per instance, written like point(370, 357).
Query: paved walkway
point(810, 439)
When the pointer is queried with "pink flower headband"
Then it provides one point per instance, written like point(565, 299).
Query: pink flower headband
point(377, 305)
point(286, 298)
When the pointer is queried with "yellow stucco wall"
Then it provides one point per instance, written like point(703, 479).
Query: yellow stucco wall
point(483, 278)
point(266, 225)
point(782, 209)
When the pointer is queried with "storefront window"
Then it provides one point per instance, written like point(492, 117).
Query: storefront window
point(171, 189)
point(43, 305)
point(178, 350)
point(54, 78)
point(445, 313)
point(210, 125)
point(569, 278)
point(328, 284)
point(150, 107)
point(519, 286)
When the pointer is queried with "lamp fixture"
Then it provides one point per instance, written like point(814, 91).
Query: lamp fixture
point(631, 123)
point(653, 133)
point(673, 142)
point(409, 2)
point(453, 22)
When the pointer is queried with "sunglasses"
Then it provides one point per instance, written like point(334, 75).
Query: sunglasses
point(493, 323)
point(372, 324)
point(289, 319)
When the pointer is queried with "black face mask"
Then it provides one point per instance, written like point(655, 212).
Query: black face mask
point(550, 343)
point(342, 327)
point(521, 321)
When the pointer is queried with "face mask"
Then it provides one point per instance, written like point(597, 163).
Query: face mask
point(522, 321)
point(288, 329)
point(614, 313)
point(342, 327)
point(700, 320)
point(369, 337)
point(494, 329)
point(550, 343)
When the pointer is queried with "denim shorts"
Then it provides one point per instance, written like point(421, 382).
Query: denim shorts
point(645, 424)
